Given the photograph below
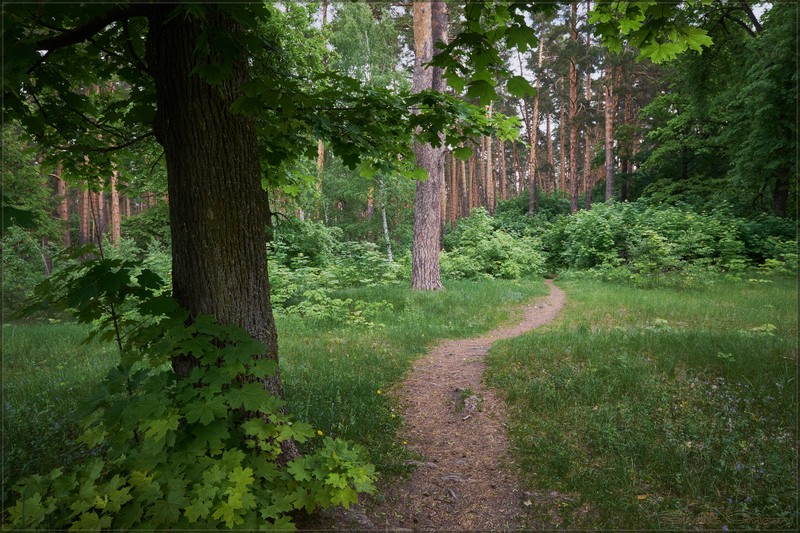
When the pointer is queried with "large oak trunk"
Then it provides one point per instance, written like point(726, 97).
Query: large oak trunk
point(218, 210)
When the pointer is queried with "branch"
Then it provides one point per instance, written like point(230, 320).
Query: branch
point(105, 149)
point(751, 15)
point(86, 31)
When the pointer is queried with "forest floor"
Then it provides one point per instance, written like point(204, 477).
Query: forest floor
point(464, 478)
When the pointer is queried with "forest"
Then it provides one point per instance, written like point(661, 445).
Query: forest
point(279, 265)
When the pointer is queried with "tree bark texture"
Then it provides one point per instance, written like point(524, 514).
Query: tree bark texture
point(610, 107)
point(551, 159)
point(562, 147)
point(114, 236)
point(63, 204)
point(587, 156)
point(85, 217)
point(573, 111)
point(430, 25)
point(534, 181)
point(489, 177)
point(218, 209)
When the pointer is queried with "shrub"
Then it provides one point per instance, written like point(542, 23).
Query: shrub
point(477, 250)
point(204, 451)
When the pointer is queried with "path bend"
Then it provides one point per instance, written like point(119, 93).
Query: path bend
point(456, 425)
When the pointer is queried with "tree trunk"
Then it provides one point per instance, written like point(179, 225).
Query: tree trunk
point(503, 181)
point(115, 214)
point(533, 202)
point(464, 189)
point(562, 154)
point(453, 190)
point(489, 181)
point(218, 209)
point(85, 217)
point(551, 159)
point(587, 156)
point(573, 111)
point(386, 238)
point(63, 204)
point(430, 25)
point(609, 140)
point(517, 169)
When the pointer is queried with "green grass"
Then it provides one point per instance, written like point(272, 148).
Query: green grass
point(660, 409)
point(47, 373)
point(331, 373)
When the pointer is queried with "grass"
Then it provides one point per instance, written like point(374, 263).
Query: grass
point(332, 373)
point(660, 409)
point(47, 373)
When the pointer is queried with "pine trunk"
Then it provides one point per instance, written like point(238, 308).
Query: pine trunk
point(562, 154)
point(490, 181)
point(573, 111)
point(587, 156)
point(85, 217)
point(115, 214)
point(63, 205)
point(551, 158)
point(430, 25)
point(609, 140)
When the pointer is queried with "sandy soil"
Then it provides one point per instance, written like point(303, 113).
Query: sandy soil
point(464, 479)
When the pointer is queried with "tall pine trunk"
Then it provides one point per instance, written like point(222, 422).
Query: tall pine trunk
point(534, 181)
point(573, 111)
point(587, 156)
point(610, 109)
point(562, 144)
point(430, 25)
point(115, 211)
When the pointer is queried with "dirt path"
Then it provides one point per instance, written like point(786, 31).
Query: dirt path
point(455, 424)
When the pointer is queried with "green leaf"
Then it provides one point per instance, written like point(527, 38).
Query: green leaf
point(462, 152)
point(521, 37)
point(206, 409)
point(248, 396)
point(520, 87)
point(482, 90)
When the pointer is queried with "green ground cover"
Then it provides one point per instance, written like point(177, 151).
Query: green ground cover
point(331, 369)
point(659, 408)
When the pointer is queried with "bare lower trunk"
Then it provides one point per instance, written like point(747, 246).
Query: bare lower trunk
point(386, 238)
point(115, 212)
point(430, 25)
point(573, 111)
point(609, 126)
point(218, 209)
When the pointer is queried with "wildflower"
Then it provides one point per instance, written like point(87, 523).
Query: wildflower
point(378, 391)
point(724, 528)
point(404, 443)
point(393, 415)
point(319, 432)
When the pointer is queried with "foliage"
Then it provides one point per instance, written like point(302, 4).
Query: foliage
point(22, 265)
point(201, 451)
point(641, 243)
point(478, 250)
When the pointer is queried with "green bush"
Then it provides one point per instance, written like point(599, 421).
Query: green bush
point(478, 250)
point(23, 267)
point(205, 451)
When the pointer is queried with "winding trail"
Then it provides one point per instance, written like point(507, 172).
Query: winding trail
point(456, 425)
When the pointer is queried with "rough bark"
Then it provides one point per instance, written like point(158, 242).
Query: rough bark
point(587, 155)
point(453, 190)
point(85, 217)
point(551, 159)
point(464, 189)
point(114, 235)
point(534, 181)
point(503, 180)
point(573, 111)
point(386, 238)
point(610, 107)
point(430, 25)
point(218, 209)
point(562, 143)
point(489, 179)
point(63, 204)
